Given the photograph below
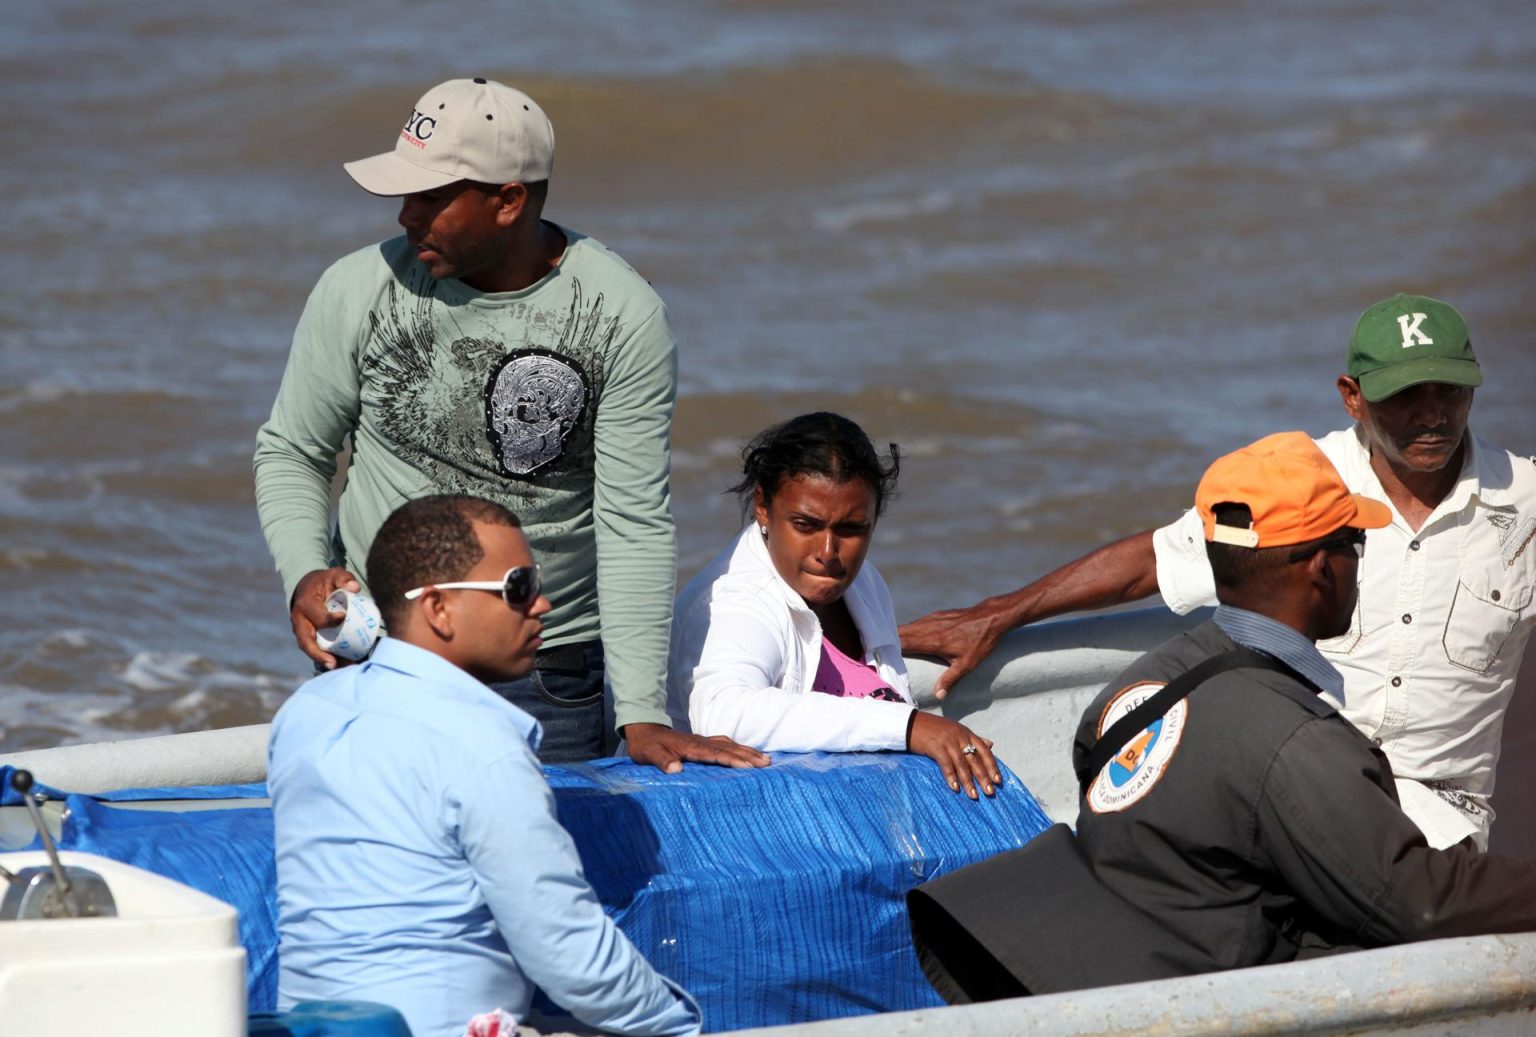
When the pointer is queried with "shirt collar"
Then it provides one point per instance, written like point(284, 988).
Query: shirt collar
point(447, 680)
point(1272, 637)
point(1491, 476)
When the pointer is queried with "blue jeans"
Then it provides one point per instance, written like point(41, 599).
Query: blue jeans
point(564, 693)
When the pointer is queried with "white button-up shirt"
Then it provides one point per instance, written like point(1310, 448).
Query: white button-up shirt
point(1444, 614)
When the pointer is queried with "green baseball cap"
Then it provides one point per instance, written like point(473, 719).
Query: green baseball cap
point(1408, 340)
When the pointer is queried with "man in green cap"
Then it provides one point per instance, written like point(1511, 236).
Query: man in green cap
point(1445, 607)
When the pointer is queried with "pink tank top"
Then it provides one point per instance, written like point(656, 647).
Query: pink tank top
point(837, 674)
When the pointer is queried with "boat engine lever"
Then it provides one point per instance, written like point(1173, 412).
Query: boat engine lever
point(57, 891)
point(21, 781)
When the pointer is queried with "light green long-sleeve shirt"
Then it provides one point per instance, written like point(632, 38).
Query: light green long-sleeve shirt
point(555, 401)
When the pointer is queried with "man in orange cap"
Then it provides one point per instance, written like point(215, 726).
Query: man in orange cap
point(1446, 606)
point(1230, 816)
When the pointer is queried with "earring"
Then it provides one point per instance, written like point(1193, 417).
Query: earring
point(764, 531)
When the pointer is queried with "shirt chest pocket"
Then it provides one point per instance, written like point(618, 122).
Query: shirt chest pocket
point(1487, 607)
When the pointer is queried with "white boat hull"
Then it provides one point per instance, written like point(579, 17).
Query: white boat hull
point(169, 962)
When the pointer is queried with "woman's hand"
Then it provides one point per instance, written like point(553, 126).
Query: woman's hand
point(963, 755)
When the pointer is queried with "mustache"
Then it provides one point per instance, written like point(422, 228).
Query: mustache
point(1438, 431)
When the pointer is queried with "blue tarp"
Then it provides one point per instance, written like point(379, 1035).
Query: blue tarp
point(773, 895)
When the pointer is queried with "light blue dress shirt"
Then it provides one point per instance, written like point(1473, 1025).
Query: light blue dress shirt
point(1287, 644)
point(420, 863)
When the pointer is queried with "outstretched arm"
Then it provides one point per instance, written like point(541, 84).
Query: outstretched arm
point(1123, 571)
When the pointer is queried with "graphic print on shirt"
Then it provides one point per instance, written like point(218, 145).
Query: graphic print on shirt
point(434, 387)
point(533, 401)
point(1514, 536)
point(1132, 773)
point(1457, 797)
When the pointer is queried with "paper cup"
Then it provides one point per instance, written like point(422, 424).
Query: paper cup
point(353, 638)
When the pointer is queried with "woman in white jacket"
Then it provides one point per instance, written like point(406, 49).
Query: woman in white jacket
point(787, 640)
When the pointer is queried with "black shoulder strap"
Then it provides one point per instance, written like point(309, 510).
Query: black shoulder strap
point(1137, 720)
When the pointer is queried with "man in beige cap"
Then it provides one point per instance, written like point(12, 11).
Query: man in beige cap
point(1446, 603)
point(490, 352)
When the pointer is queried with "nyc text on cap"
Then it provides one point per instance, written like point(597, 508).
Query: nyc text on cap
point(1292, 489)
point(464, 129)
point(1408, 340)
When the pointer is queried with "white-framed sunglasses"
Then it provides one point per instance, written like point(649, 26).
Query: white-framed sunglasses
point(519, 588)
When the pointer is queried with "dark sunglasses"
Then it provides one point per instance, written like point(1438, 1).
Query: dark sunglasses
point(520, 588)
point(1354, 539)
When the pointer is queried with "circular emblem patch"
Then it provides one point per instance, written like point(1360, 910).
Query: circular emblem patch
point(1138, 766)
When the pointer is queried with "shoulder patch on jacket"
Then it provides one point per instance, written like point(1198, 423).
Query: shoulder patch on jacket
point(1141, 764)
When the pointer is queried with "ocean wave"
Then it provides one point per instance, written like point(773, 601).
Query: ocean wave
point(705, 419)
point(78, 684)
point(51, 397)
point(883, 210)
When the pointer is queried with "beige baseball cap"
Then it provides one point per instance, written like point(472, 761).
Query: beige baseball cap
point(464, 129)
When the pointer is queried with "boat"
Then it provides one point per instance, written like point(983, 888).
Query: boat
point(1028, 698)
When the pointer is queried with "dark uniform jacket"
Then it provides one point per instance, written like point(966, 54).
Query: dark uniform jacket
point(1252, 824)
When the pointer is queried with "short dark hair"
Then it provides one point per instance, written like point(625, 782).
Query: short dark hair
point(1242, 568)
point(428, 540)
point(823, 444)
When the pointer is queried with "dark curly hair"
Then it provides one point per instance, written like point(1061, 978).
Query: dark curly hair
point(823, 444)
point(427, 540)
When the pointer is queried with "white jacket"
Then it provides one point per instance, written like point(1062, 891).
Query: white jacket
point(746, 647)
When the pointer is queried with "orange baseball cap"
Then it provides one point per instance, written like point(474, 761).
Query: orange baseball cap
point(1292, 489)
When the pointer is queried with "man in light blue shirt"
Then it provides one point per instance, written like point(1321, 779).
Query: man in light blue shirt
point(419, 860)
